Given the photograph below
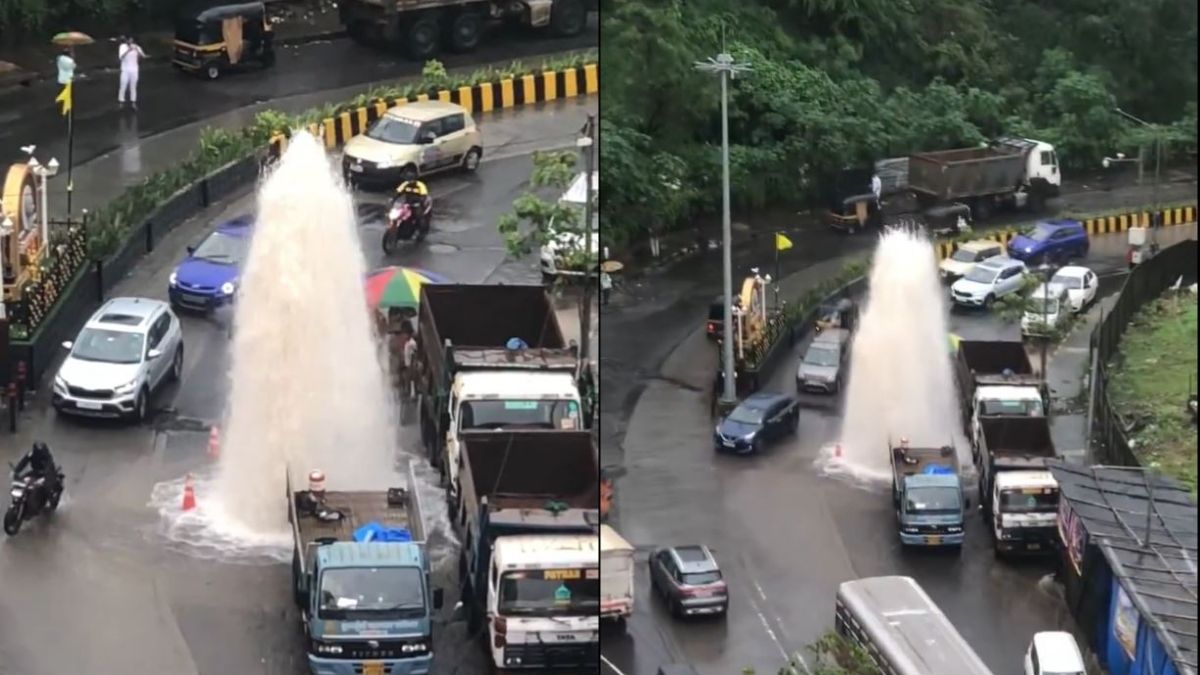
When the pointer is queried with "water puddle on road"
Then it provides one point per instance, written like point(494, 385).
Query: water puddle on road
point(901, 381)
point(308, 388)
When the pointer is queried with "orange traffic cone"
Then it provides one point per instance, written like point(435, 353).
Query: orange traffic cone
point(214, 443)
point(189, 494)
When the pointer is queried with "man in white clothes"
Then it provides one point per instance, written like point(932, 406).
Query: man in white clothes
point(129, 53)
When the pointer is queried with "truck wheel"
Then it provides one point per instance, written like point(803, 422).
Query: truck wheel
point(464, 31)
point(568, 18)
point(422, 37)
point(212, 71)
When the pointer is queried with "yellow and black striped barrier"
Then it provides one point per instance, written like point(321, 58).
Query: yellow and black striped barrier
point(1175, 215)
point(486, 97)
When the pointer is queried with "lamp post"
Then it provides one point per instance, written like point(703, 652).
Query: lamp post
point(586, 145)
point(726, 69)
point(1154, 219)
point(1046, 271)
point(43, 173)
point(1107, 162)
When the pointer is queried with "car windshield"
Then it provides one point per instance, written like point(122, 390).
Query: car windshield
point(550, 592)
point(745, 414)
point(933, 500)
point(362, 592)
point(821, 356)
point(519, 414)
point(1067, 281)
point(963, 255)
point(108, 346)
point(701, 578)
point(1041, 233)
point(981, 274)
point(1039, 304)
point(1040, 500)
point(222, 248)
point(1030, 408)
point(391, 130)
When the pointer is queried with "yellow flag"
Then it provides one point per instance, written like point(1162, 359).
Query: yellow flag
point(64, 97)
point(782, 243)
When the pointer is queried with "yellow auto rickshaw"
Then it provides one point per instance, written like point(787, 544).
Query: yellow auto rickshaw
point(215, 38)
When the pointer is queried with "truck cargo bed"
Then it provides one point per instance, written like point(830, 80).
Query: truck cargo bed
point(992, 357)
point(966, 172)
point(525, 470)
point(358, 509)
point(1017, 441)
point(920, 459)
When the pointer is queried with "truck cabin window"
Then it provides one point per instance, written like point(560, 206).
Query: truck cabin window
point(933, 501)
point(519, 414)
point(371, 593)
point(1030, 408)
point(550, 592)
point(1018, 501)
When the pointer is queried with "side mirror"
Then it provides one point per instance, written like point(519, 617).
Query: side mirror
point(428, 137)
point(439, 598)
point(153, 354)
point(459, 612)
point(68, 344)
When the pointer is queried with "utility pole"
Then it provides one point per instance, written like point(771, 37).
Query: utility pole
point(724, 66)
point(587, 145)
point(1155, 221)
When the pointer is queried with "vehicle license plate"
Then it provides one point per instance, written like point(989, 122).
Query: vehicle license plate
point(373, 668)
point(1034, 547)
point(703, 594)
point(356, 168)
point(193, 299)
point(89, 405)
point(933, 540)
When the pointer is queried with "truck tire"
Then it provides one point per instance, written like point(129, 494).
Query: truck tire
point(568, 17)
point(296, 579)
point(464, 31)
point(422, 36)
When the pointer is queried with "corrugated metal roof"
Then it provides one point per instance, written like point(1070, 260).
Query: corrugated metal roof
point(353, 554)
point(1145, 526)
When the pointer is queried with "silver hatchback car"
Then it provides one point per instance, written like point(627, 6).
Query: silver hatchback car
point(125, 352)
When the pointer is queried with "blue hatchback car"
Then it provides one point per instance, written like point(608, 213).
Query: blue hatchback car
point(208, 277)
point(1050, 241)
point(762, 417)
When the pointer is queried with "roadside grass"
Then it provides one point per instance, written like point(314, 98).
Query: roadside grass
point(1151, 380)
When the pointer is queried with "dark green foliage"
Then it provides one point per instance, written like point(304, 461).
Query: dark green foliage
point(837, 84)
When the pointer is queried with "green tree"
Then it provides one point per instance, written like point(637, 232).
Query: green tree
point(538, 213)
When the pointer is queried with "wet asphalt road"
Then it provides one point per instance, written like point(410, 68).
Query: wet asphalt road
point(169, 99)
point(784, 535)
point(98, 589)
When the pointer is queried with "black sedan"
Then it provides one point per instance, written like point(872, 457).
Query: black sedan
point(762, 417)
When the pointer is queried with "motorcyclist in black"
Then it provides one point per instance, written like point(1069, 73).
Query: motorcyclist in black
point(416, 195)
point(40, 464)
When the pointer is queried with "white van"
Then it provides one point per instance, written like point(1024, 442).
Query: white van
point(616, 576)
point(1046, 310)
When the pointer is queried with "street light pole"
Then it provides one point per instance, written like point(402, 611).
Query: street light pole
point(588, 146)
point(1157, 172)
point(725, 68)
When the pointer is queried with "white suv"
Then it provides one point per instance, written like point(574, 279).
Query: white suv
point(989, 281)
point(126, 350)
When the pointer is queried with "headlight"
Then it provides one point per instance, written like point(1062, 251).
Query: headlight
point(125, 388)
point(227, 288)
point(326, 648)
point(60, 382)
point(173, 279)
point(954, 529)
point(749, 436)
point(1029, 249)
point(413, 648)
point(908, 530)
point(384, 164)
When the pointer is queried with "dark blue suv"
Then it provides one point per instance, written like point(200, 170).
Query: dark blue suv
point(1050, 241)
point(762, 417)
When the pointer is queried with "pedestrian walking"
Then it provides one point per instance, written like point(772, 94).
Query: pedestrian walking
point(605, 287)
point(877, 189)
point(129, 54)
point(410, 352)
point(66, 66)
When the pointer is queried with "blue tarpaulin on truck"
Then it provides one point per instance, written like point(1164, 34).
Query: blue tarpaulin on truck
point(373, 531)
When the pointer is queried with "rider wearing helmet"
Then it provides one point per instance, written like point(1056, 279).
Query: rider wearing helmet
point(416, 195)
point(40, 465)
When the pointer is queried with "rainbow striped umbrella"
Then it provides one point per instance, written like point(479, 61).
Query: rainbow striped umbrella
point(398, 286)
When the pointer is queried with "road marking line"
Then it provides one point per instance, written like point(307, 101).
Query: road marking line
point(605, 661)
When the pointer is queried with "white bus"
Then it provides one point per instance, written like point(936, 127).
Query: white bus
point(902, 629)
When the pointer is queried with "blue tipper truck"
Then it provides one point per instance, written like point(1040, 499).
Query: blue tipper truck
point(366, 605)
point(928, 495)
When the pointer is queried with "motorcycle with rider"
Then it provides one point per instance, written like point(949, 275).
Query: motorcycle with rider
point(409, 216)
point(37, 487)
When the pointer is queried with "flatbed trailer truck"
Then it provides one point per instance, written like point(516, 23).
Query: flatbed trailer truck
point(1019, 495)
point(530, 563)
point(928, 495)
point(366, 606)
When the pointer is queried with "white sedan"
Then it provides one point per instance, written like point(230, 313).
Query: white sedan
point(1081, 284)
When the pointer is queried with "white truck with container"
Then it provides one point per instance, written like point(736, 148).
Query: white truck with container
point(1018, 494)
point(616, 577)
point(995, 377)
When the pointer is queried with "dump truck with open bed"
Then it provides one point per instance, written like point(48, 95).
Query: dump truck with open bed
point(493, 357)
point(360, 577)
point(928, 495)
point(1013, 172)
point(995, 377)
point(420, 27)
point(1019, 496)
point(528, 521)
